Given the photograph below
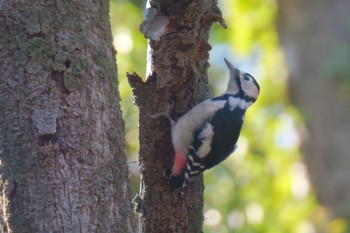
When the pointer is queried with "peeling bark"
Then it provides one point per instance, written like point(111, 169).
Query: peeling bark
point(178, 62)
point(63, 165)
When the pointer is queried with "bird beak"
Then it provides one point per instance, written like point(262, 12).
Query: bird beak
point(230, 66)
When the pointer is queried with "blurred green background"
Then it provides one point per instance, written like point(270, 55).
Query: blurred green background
point(264, 187)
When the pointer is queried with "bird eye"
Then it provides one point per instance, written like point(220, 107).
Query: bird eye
point(246, 78)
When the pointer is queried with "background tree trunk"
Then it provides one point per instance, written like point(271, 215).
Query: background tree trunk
point(178, 75)
point(315, 35)
point(62, 157)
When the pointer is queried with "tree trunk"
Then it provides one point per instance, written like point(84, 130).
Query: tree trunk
point(62, 156)
point(178, 74)
point(315, 35)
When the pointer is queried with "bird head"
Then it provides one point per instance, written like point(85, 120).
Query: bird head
point(242, 83)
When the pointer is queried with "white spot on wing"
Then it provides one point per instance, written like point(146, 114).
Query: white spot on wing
point(206, 136)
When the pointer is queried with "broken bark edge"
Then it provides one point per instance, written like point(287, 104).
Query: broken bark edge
point(142, 90)
point(135, 80)
point(212, 18)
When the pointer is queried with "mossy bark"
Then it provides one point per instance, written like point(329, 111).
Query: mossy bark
point(178, 75)
point(63, 167)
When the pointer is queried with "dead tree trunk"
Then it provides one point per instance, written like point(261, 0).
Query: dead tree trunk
point(178, 33)
point(62, 156)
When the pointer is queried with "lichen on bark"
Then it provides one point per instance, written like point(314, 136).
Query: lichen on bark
point(63, 167)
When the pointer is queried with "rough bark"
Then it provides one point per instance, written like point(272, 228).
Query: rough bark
point(62, 156)
point(178, 75)
point(315, 35)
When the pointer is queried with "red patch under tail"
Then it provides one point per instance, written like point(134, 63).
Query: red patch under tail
point(180, 161)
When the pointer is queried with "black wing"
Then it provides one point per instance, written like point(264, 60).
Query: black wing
point(227, 126)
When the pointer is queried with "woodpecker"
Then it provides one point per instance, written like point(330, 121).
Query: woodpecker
point(207, 134)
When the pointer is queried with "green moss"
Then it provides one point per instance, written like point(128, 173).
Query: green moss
point(74, 70)
point(72, 81)
point(39, 50)
point(59, 62)
point(106, 67)
point(85, 64)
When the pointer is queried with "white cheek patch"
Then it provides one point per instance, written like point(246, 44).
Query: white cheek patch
point(206, 136)
point(250, 89)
